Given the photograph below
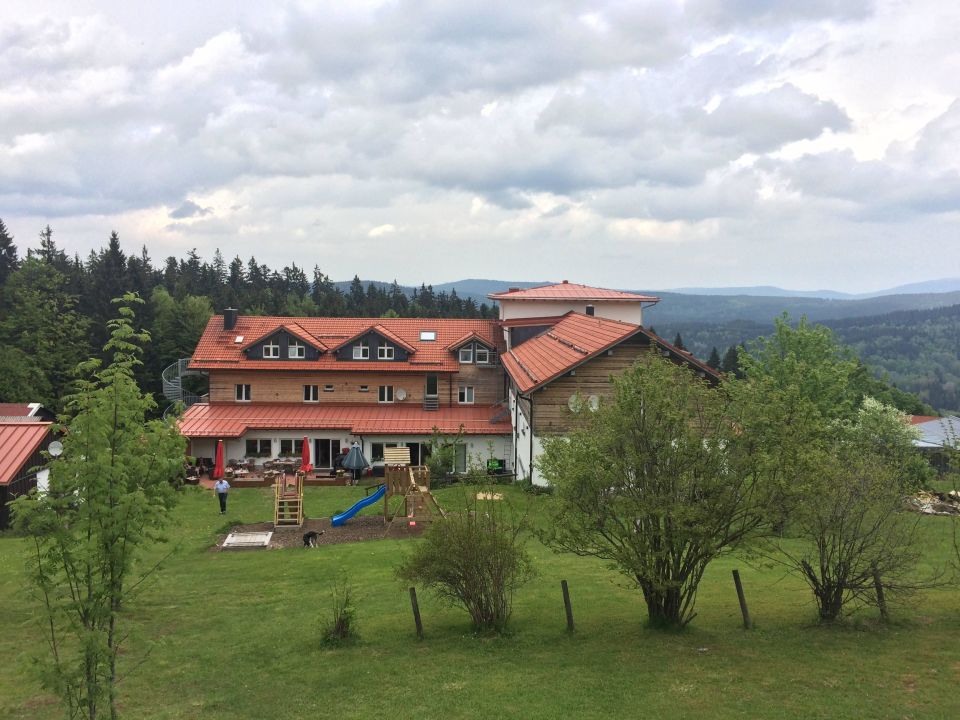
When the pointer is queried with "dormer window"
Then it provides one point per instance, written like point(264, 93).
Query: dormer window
point(384, 351)
point(361, 351)
point(296, 350)
point(482, 355)
point(271, 350)
point(466, 354)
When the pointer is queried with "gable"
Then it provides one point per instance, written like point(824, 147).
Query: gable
point(283, 340)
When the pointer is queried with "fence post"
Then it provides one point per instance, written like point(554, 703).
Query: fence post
point(742, 599)
point(881, 600)
point(416, 613)
point(566, 604)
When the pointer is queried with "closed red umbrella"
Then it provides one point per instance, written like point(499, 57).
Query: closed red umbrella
point(218, 463)
point(305, 465)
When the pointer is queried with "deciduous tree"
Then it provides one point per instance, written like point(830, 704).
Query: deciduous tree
point(109, 494)
point(655, 483)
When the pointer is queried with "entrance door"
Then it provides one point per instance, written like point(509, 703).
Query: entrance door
point(324, 452)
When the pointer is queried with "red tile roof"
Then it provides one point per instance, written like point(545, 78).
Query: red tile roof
point(217, 349)
point(18, 441)
point(572, 341)
point(914, 419)
point(571, 291)
point(222, 421)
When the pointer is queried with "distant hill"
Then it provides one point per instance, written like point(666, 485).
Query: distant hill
point(944, 285)
point(678, 308)
point(916, 349)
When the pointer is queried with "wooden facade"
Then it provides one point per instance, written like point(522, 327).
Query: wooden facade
point(551, 410)
point(345, 386)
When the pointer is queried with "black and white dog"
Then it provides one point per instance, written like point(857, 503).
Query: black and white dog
point(310, 538)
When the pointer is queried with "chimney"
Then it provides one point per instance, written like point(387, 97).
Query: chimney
point(229, 318)
point(510, 290)
point(590, 310)
point(566, 282)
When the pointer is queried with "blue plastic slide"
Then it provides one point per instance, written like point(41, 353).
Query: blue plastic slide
point(341, 518)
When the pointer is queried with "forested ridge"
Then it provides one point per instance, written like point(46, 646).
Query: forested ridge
point(54, 307)
point(917, 351)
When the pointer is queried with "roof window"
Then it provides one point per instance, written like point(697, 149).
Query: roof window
point(238, 339)
point(428, 335)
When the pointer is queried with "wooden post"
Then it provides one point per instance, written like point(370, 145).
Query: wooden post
point(416, 613)
point(566, 604)
point(742, 599)
point(881, 600)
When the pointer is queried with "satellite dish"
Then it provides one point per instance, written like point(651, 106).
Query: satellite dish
point(593, 402)
point(401, 394)
point(55, 448)
point(575, 403)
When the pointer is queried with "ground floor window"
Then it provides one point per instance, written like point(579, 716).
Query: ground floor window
point(386, 394)
point(291, 447)
point(311, 393)
point(243, 393)
point(376, 450)
point(465, 395)
point(259, 448)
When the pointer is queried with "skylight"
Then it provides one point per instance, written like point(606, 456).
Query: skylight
point(238, 339)
point(428, 335)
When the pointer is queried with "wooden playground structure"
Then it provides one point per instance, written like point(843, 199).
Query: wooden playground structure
point(407, 499)
point(416, 504)
point(288, 496)
point(411, 483)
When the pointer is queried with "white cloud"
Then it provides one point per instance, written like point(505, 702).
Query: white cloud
point(669, 138)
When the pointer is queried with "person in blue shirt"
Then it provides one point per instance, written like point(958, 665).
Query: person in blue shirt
point(221, 487)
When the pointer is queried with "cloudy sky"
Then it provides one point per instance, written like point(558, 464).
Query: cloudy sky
point(646, 144)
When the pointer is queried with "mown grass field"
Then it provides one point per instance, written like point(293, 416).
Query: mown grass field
point(235, 635)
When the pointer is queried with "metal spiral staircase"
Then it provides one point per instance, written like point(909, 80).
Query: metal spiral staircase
point(172, 377)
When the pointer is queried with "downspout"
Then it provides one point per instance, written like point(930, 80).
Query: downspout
point(531, 437)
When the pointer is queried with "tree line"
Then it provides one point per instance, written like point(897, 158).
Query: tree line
point(54, 308)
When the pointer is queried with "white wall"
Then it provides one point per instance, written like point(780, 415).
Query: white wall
point(236, 448)
point(630, 312)
point(478, 446)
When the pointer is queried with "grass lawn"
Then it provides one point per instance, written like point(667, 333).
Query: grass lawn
point(234, 635)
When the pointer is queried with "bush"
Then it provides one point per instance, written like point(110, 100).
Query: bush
point(475, 558)
point(341, 629)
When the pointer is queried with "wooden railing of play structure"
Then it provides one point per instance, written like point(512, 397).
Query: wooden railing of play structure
point(288, 496)
point(412, 483)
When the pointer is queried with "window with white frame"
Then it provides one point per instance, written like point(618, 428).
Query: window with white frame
point(291, 447)
point(271, 350)
point(364, 388)
point(242, 393)
point(384, 351)
point(311, 393)
point(385, 394)
point(376, 450)
point(428, 335)
point(361, 351)
point(482, 355)
point(258, 447)
point(296, 350)
point(328, 388)
point(466, 354)
point(465, 395)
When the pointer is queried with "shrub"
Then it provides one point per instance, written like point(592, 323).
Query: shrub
point(341, 628)
point(475, 558)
